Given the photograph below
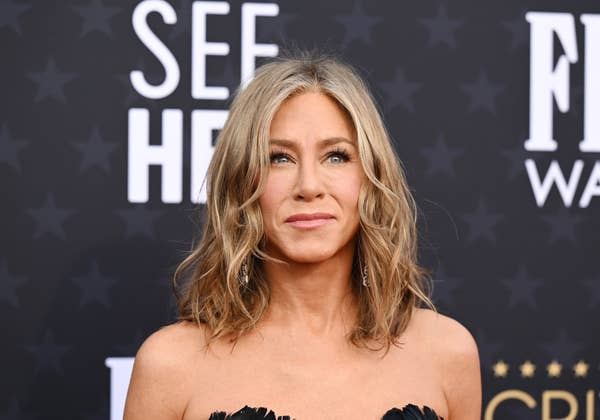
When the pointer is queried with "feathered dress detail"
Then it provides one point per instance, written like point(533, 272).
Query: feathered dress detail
point(408, 412)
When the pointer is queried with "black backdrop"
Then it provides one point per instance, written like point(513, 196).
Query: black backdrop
point(85, 263)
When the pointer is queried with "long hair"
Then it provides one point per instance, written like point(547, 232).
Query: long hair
point(210, 293)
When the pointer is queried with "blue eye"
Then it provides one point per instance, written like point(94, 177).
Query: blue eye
point(340, 153)
point(278, 155)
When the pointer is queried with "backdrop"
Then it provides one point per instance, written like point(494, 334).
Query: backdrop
point(108, 115)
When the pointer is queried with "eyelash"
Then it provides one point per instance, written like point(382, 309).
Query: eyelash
point(337, 151)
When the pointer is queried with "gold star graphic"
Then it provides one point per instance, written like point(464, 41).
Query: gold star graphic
point(581, 369)
point(527, 369)
point(554, 369)
point(500, 369)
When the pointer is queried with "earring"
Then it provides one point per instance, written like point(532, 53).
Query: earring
point(364, 273)
point(243, 274)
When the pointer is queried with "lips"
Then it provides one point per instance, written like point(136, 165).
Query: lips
point(308, 216)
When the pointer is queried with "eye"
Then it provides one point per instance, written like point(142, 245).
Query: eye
point(276, 155)
point(340, 153)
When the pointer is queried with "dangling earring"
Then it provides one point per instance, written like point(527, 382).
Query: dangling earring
point(364, 273)
point(243, 274)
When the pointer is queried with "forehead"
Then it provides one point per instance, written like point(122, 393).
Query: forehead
point(312, 114)
point(320, 143)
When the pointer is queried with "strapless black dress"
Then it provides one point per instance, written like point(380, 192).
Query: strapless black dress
point(408, 412)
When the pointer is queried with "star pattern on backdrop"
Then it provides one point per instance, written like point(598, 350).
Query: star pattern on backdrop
point(440, 158)
point(516, 157)
point(445, 286)
point(581, 369)
point(95, 152)
point(562, 347)
point(64, 129)
point(96, 17)
point(9, 283)
point(488, 349)
point(518, 27)
point(10, 12)
point(133, 96)
point(400, 91)
point(94, 286)
point(441, 29)
point(554, 369)
point(522, 288)
point(482, 93)
point(49, 219)
point(10, 148)
point(500, 369)
point(562, 223)
point(527, 369)
point(358, 25)
point(51, 82)
point(140, 221)
point(482, 222)
point(48, 354)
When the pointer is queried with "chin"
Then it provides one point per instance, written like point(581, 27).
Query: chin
point(307, 256)
point(306, 250)
point(309, 259)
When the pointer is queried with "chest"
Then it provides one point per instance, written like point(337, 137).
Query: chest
point(312, 383)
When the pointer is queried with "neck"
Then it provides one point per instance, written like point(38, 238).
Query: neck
point(312, 299)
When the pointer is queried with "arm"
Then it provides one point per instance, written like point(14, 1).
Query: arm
point(157, 389)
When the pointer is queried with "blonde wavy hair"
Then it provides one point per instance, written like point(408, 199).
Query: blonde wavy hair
point(210, 293)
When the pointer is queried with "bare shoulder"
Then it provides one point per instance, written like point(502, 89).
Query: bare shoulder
point(159, 386)
point(453, 338)
point(171, 347)
point(177, 338)
point(455, 351)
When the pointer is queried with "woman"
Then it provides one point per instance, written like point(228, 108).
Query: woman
point(304, 292)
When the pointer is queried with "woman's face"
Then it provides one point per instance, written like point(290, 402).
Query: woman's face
point(315, 168)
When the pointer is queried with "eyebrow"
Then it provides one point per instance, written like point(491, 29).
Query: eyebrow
point(325, 142)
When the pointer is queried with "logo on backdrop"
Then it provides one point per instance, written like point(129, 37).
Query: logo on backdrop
point(550, 83)
point(169, 154)
point(552, 402)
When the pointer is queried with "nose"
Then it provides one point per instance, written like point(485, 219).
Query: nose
point(309, 184)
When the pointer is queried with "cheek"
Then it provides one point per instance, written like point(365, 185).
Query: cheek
point(274, 192)
point(349, 191)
